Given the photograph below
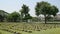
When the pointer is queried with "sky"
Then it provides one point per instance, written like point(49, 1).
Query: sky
point(15, 5)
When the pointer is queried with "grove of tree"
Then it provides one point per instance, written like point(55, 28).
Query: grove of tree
point(43, 8)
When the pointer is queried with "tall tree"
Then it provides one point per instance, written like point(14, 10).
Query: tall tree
point(22, 14)
point(45, 8)
point(24, 11)
point(37, 10)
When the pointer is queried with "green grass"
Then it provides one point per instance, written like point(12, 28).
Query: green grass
point(49, 31)
point(6, 28)
point(4, 32)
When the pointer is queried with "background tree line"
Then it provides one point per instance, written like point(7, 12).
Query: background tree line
point(43, 8)
point(22, 16)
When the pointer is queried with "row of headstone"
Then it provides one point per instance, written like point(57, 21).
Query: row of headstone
point(16, 33)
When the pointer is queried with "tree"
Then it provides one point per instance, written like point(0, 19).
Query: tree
point(1, 18)
point(13, 17)
point(55, 10)
point(3, 15)
point(46, 9)
point(24, 12)
point(27, 17)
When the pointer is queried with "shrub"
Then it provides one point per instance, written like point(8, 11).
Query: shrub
point(18, 33)
point(30, 31)
point(38, 30)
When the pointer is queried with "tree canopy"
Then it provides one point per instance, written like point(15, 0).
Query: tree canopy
point(25, 13)
point(13, 17)
point(3, 15)
point(43, 8)
point(46, 9)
